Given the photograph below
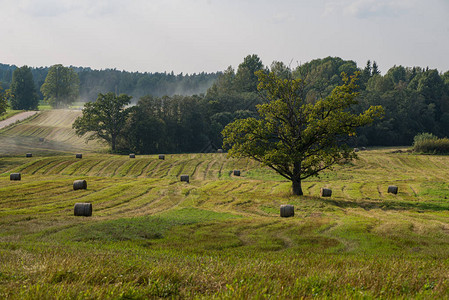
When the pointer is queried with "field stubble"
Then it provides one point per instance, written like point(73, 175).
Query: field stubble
point(219, 236)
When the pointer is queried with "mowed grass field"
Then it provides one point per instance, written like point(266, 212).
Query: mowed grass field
point(219, 236)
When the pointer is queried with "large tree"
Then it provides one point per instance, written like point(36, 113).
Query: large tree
point(296, 138)
point(61, 86)
point(22, 93)
point(3, 101)
point(105, 118)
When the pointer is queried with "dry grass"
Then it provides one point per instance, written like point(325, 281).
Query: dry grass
point(151, 236)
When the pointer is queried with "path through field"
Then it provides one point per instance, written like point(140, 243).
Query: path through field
point(18, 117)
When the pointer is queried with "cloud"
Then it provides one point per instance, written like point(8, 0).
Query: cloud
point(280, 18)
point(61, 8)
point(364, 9)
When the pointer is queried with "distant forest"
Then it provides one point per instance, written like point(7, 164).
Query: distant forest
point(135, 84)
point(186, 113)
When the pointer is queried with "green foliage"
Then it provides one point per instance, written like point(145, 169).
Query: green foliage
point(22, 94)
point(3, 101)
point(105, 118)
point(423, 137)
point(430, 144)
point(295, 138)
point(61, 86)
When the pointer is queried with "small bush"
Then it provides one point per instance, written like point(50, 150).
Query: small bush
point(430, 144)
point(424, 136)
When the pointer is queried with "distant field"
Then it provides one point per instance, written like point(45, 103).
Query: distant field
point(53, 126)
point(220, 236)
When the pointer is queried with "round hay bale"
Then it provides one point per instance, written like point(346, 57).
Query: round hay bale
point(80, 185)
point(132, 155)
point(162, 156)
point(83, 209)
point(287, 211)
point(325, 192)
point(220, 151)
point(14, 176)
point(78, 155)
point(363, 148)
point(356, 149)
point(185, 178)
point(236, 172)
point(29, 155)
point(393, 189)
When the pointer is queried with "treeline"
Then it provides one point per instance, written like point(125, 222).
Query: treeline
point(415, 100)
point(135, 84)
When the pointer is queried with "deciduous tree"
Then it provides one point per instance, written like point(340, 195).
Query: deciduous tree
point(105, 118)
point(3, 101)
point(61, 86)
point(295, 138)
point(22, 93)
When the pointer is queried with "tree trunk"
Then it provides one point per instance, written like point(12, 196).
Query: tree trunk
point(296, 187)
point(296, 180)
point(113, 143)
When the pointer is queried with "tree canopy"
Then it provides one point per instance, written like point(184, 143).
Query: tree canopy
point(22, 93)
point(61, 86)
point(3, 101)
point(105, 118)
point(297, 138)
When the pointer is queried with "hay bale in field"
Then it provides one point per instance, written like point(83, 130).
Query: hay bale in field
point(356, 149)
point(132, 155)
point(161, 156)
point(29, 155)
point(80, 185)
point(363, 148)
point(83, 209)
point(78, 155)
point(14, 176)
point(393, 189)
point(287, 211)
point(185, 178)
point(325, 192)
point(220, 151)
point(236, 172)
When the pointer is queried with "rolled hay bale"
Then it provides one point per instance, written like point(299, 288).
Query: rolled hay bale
point(80, 185)
point(363, 148)
point(78, 155)
point(29, 155)
point(236, 172)
point(220, 151)
point(132, 155)
point(161, 156)
point(14, 176)
point(356, 149)
point(185, 178)
point(393, 189)
point(287, 211)
point(325, 192)
point(83, 209)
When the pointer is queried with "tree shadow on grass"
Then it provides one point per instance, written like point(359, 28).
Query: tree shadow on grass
point(388, 204)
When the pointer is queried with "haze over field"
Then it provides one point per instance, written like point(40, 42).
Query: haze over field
point(208, 35)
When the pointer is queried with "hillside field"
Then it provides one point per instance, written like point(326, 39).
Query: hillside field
point(219, 236)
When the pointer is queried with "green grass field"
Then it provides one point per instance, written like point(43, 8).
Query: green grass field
point(219, 236)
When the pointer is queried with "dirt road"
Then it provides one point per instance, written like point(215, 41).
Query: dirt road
point(18, 117)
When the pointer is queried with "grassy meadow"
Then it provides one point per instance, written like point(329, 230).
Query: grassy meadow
point(219, 236)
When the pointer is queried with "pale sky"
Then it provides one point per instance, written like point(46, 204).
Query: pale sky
point(193, 36)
